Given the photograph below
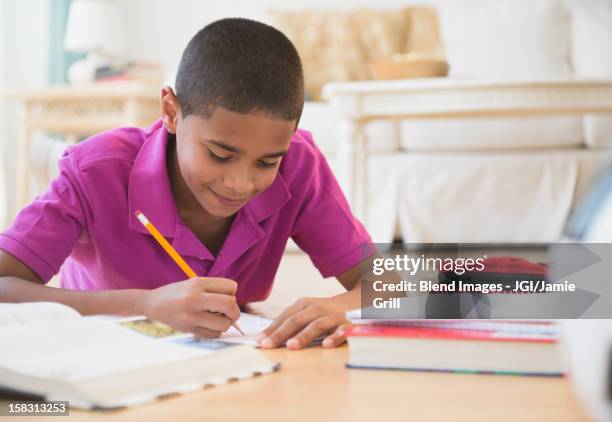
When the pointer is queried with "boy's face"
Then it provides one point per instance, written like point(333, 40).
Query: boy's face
point(228, 158)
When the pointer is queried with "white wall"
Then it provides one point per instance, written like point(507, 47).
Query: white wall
point(24, 29)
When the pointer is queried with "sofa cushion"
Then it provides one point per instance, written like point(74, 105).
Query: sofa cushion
point(491, 133)
point(478, 197)
point(485, 197)
point(506, 38)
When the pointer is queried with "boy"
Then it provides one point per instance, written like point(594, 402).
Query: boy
point(224, 175)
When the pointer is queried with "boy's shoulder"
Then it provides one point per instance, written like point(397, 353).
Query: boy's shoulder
point(120, 145)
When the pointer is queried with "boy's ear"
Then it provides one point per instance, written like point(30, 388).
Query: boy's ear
point(170, 109)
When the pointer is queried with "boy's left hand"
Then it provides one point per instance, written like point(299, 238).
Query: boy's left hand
point(304, 321)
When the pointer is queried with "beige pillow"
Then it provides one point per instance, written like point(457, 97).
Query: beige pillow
point(337, 45)
point(423, 36)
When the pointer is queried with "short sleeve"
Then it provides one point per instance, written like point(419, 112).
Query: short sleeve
point(44, 233)
point(325, 227)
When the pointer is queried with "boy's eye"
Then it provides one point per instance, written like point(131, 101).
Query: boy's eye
point(267, 164)
point(260, 163)
point(218, 158)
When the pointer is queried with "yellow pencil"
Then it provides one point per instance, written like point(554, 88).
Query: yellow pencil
point(171, 251)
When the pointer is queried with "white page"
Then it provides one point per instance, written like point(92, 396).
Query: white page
point(72, 349)
point(24, 313)
point(251, 325)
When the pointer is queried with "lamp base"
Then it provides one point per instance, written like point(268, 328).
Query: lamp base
point(84, 71)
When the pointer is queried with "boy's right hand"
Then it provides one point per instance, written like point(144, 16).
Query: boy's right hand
point(204, 306)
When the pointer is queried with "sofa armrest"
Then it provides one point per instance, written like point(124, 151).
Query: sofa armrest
point(448, 97)
point(317, 117)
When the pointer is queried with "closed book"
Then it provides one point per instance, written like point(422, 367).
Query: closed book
point(423, 348)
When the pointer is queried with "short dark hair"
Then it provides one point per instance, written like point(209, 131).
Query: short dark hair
point(241, 65)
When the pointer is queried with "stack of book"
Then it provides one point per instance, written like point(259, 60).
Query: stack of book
point(517, 347)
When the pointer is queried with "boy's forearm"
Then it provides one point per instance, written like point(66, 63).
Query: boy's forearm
point(116, 302)
point(351, 299)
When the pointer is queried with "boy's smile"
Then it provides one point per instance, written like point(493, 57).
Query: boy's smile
point(229, 202)
point(224, 160)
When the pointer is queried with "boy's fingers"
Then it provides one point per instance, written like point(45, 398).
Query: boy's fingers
point(218, 285)
point(279, 320)
point(336, 338)
point(312, 331)
point(211, 321)
point(216, 302)
point(273, 326)
point(287, 329)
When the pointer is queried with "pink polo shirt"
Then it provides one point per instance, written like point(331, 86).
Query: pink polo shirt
point(84, 225)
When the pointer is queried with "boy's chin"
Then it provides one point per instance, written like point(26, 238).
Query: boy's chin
point(219, 210)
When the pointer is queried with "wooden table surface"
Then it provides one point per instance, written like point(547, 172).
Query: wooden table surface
point(313, 384)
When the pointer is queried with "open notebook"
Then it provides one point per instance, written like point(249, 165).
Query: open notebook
point(50, 350)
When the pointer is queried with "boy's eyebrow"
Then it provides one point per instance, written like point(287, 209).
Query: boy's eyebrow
point(239, 151)
point(226, 146)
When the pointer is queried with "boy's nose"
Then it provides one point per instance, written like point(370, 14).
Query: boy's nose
point(240, 185)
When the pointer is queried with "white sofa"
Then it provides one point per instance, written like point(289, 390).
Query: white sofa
point(460, 173)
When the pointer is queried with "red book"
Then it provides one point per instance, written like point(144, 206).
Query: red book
point(445, 333)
